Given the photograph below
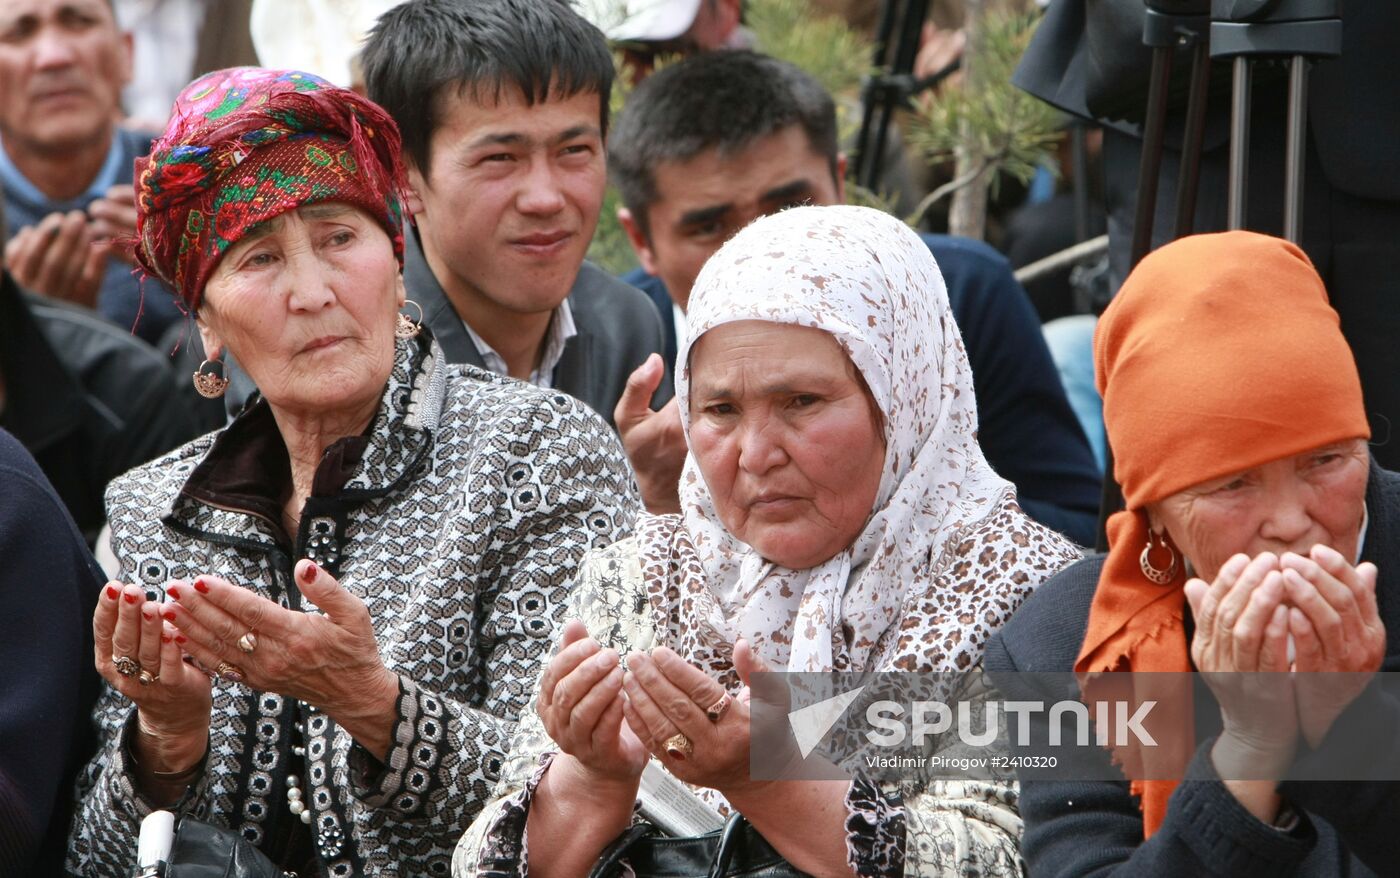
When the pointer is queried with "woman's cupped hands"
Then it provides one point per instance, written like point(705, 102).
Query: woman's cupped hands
point(141, 655)
point(1269, 694)
point(609, 719)
point(209, 626)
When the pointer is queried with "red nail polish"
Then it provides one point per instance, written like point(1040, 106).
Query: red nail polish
point(112, 592)
point(168, 615)
point(165, 638)
point(308, 575)
point(201, 586)
point(174, 592)
point(180, 638)
point(147, 616)
point(130, 598)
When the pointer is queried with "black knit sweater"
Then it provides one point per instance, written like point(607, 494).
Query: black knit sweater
point(48, 588)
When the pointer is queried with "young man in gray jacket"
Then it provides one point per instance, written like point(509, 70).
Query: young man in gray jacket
point(503, 107)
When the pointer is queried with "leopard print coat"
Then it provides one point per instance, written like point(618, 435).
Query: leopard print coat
point(919, 827)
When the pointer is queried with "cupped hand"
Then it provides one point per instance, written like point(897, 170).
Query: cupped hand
point(666, 696)
point(114, 221)
point(172, 698)
point(581, 706)
point(653, 440)
point(58, 258)
point(1337, 632)
point(1241, 649)
point(329, 660)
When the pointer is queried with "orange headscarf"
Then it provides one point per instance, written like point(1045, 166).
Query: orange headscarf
point(1220, 353)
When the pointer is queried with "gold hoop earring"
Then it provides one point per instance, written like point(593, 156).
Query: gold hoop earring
point(1155, 574)
point(209, 385)
point(406, 328)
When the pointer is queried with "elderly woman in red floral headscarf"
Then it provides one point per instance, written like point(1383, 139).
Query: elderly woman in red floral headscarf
point(1260, 547)
point(330, 611)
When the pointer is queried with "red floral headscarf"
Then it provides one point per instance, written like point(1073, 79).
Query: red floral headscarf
point(247, 144)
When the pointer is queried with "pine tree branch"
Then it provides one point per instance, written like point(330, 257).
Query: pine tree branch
point(949, 188)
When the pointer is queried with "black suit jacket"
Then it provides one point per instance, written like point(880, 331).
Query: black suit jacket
point(1095, 828)
point(1087, 58)
point(87, 399)
point(618, 328)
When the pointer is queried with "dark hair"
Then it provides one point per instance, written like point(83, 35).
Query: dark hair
point(420, 49)
point(724, 99)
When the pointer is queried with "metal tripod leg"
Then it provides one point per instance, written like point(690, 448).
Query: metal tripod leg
point(1296, 145)
point(1188, 181)
point(1149, 171)
point(1239, 142)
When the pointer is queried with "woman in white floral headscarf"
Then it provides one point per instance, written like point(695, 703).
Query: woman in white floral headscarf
point(838, 514)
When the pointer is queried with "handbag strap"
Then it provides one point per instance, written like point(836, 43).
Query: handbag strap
point(609, 862)
point(728, 840)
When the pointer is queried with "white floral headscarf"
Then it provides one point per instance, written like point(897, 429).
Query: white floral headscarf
point(869, 281)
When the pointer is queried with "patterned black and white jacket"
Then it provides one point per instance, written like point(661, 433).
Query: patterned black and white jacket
point(460, 518)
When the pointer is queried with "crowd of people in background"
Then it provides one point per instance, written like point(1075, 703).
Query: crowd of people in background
point(376, 526)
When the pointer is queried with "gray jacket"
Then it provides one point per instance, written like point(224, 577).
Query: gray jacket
point(459, 518)
point(618, 328)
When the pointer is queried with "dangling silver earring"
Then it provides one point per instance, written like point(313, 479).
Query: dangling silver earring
point(1153, 573)
point(406, 328)
point(209, 384)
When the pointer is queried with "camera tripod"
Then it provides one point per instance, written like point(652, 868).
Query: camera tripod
point(1245, 33)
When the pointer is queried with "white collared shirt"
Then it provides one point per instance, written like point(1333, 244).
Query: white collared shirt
point(561, 329)
point(678, 319)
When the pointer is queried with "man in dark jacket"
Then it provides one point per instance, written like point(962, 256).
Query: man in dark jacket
point(65, 163)
point(707, 145)
point(49, 583)
point(88, 400)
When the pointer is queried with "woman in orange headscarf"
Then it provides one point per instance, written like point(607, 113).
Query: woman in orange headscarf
point(1255, 527)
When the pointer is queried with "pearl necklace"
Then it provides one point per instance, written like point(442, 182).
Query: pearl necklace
point(294, 794)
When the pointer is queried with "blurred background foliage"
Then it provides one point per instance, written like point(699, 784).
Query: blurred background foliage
point(1008, 132)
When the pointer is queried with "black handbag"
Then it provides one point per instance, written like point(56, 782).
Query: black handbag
point(200, 850)
point(735, 851)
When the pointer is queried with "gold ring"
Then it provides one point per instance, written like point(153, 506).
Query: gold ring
point(229, 671)
point(716, 710)
point(126, 665)
point(147, 678)
point(248, 642)
point(678, 747)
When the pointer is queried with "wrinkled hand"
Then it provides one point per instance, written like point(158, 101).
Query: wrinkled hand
point(1337, 633)
point(653, 440)
point(114, 221)
point(173, 702)
point(667, 695)
point(330, 661)
point(1241, 648)
point(58, 258)
point(581, 707)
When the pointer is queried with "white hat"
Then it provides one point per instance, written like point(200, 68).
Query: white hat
point(316, 36)
point(640, 21)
